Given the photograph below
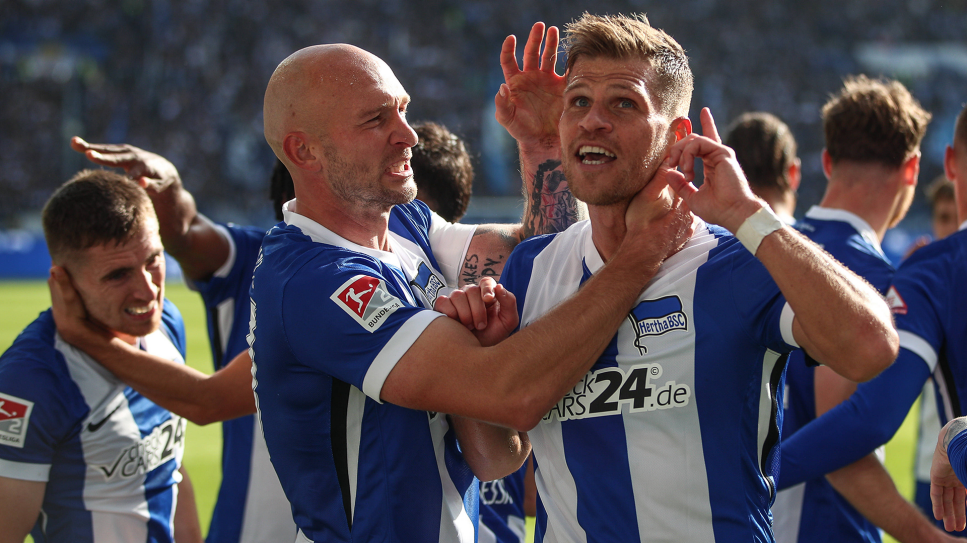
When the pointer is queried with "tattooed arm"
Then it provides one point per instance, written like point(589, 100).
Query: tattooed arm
point(529, 106)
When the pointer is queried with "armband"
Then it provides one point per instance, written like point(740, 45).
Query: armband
point(759, 225)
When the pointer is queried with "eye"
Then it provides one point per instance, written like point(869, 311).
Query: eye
point(581, 101)
point(625, 103)
point(155, 261)
point(116, 275)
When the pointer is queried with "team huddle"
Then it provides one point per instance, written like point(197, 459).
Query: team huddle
point(649, 359)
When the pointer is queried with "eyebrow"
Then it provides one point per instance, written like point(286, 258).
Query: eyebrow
point(368, 114)
point(622, 86)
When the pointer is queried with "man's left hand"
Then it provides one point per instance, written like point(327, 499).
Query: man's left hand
point(724, 197)
point(488, 310)
point(947, 493)
point(68, 310)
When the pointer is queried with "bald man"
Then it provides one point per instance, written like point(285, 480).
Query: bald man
point(354, 374)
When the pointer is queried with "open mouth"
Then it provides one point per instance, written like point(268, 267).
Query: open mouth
point(140, 310)
point(591, 155)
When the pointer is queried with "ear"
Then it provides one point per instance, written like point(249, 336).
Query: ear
point(297, 148)
point(795, 174)
point(681, 127)
point(911, 169)
point(827, 163)
point(950, 164)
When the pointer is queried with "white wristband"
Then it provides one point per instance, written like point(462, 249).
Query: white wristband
point(759, 225)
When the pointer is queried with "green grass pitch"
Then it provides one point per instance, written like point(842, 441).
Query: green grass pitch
point(21, 301)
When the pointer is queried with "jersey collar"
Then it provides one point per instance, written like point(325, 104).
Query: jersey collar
point(865, 230)
point(320, 234)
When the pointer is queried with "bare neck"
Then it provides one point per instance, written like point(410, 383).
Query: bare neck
point(364, 226)
point(868, 192)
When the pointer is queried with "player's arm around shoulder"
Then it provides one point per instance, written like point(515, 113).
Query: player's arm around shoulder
point(840, 320)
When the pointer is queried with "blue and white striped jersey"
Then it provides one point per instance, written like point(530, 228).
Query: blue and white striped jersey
point(330, 319)
point(672, 434)
point(109, 456)
point(502, 518)
point(814, 511)
point(251, 506)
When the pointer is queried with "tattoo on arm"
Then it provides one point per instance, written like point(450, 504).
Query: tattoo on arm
point(550, 207)
point(476, 267)
point(956, 426)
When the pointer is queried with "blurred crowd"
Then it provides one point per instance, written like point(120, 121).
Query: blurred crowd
point(186, 79)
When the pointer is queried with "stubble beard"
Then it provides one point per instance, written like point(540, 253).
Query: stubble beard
point(347, 181)
point(623, 188)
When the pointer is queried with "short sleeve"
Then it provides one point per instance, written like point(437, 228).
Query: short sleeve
point(759, 302)
point(917, 312)
point(449, 242)
point(368, 321)
point(233, 278)
point(38, 413)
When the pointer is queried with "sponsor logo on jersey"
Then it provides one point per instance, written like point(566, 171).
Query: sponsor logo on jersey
point(367, 301)
point(166, 442)
point(657, 317)
point(428, 283)
point(14, 419)
point(602, 392)
point(494, 493)
point(895, 301)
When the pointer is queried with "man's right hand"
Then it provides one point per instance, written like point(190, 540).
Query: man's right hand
point(530, 102)
point(153, 172)
point(488, 310)
point(69, 312)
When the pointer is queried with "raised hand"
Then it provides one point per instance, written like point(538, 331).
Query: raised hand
point(530, 102)
point(488, 310)
point(947, 493)
point(69, 312)
point(724, 197)
point(153, 172)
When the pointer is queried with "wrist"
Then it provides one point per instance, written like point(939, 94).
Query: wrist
point(542, 146)
point(756, 227)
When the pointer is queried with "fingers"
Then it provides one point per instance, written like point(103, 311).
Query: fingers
point(709, 129)
point(508, 307)
point(549, 58)
point(466, 306)
point(532, 49)
point(508, 57)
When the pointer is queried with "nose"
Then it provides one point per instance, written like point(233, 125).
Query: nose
point(146, 285)
point(596, 119)
point(403, 134)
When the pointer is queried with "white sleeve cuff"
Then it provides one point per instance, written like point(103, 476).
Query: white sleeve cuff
point(24, 471)
point(785, 325)
point(918, 346)
point(394, 349)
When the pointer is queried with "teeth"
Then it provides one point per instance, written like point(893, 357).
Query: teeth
point(587, 149)
point(398, 168)
point(139, 310)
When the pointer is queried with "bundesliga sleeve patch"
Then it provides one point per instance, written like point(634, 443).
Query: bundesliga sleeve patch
point(366, 300)
point(895, 301)
point(14, 417)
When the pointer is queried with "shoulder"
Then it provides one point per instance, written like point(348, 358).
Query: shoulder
point(33, 369)
point(412, 216)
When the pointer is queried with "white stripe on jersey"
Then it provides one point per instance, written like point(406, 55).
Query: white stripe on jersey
point(766, 400)
point(462, 528)
point(787, 512)
point(354, 428)
point(267, 511)
point(918, 346)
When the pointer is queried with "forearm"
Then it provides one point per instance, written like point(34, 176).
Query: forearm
point(188, 236)
point(868, 487)
point(856, 427)
point(549, 205)
point(840, 320)
point(491, 451)
point(176, 387)
point(187, 526)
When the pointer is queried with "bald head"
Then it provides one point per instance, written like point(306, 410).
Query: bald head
point(312, 85)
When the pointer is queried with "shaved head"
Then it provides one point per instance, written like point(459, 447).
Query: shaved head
point(311, 84)
point(335, 115)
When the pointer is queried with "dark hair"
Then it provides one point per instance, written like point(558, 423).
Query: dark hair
point(633, 37)
point(93, 208)
point(873, 120)
point(442, 170)
point(765, 148)
point(281, 189)
point(939, 189)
